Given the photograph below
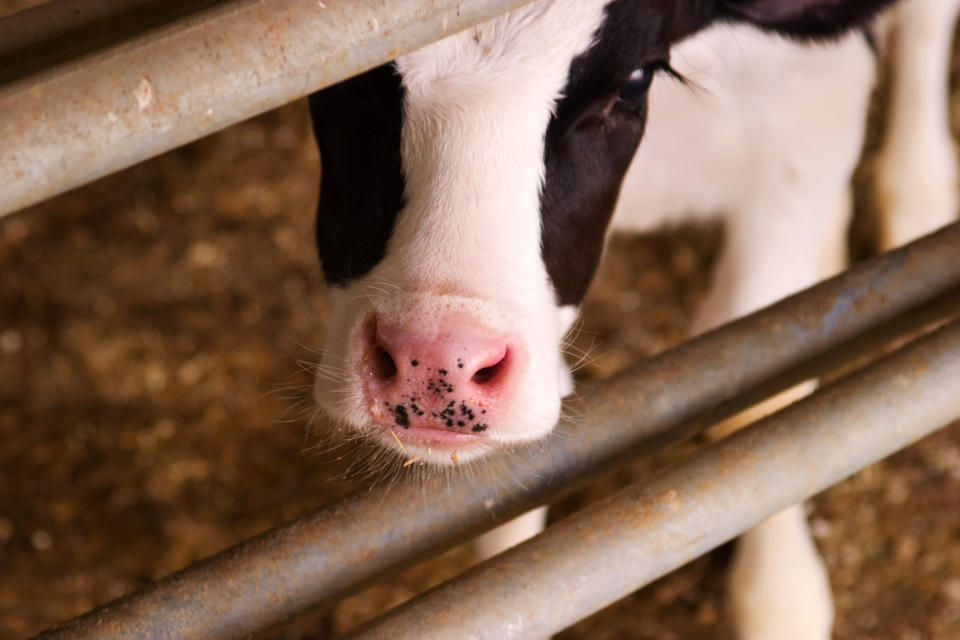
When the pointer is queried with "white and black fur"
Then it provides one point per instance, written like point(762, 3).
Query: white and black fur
point(478, 176)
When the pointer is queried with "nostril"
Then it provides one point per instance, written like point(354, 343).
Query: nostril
point(487, 375)
point(382, 365)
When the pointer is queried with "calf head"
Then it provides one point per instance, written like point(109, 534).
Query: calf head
point(464, 201)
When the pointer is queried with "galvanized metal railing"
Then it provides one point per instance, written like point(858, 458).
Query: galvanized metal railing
point(88, 87)
point(648, 529)
point(346, 546)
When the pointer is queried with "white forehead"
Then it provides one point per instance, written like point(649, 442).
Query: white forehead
point(476, 110)
point(530, 48)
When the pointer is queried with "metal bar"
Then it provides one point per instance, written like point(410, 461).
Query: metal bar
point(626, 541)
point(30, 33)
point(343, 547)
point(77, 120)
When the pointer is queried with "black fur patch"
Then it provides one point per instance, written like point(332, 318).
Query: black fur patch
point(805, 19)
point(357, 126)
point(591, 140)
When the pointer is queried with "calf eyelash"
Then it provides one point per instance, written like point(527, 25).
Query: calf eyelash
point(638, 84)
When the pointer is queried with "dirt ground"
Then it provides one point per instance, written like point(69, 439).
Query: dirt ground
point(153, 411)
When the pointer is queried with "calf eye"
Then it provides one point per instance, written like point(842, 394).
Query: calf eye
point(639, 81)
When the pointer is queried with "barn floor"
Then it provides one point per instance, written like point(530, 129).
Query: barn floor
point(152, 410)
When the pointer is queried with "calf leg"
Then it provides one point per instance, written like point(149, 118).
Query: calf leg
point(778, 586)
point(773, 138)
point(917, 167)
point(512, 533)
point(779, 589)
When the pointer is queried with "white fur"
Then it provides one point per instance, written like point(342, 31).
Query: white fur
point(917, 169)
point(477, 108)
point(769, 142)
point(779, 589)
point(512, 533)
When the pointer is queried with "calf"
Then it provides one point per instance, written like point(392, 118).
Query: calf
point(468, 188)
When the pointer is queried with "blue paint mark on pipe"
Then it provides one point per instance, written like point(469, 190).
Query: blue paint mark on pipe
point(840, 308)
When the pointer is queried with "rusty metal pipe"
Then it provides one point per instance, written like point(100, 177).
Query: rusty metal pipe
point(627, 540)
point(78, 102)
point(343, 547)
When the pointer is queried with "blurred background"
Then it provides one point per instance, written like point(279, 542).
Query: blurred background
point(153, 408)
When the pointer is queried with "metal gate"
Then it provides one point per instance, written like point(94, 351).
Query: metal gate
point(167, 73)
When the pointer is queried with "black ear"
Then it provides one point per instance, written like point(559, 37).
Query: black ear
point(804, 18)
